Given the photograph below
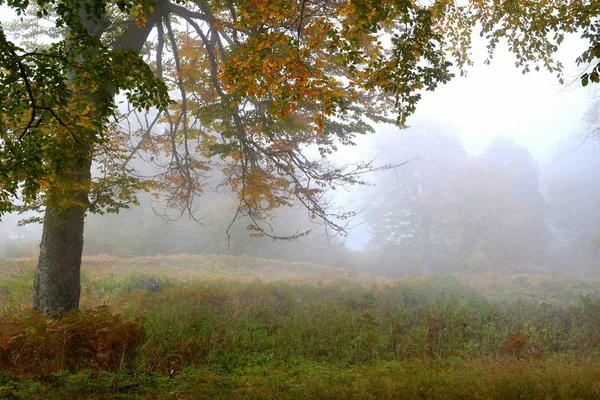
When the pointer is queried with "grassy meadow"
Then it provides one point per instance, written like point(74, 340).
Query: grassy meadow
point(236, 327)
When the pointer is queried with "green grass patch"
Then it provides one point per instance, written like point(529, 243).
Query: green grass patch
point(260, 333)
point(302, 379)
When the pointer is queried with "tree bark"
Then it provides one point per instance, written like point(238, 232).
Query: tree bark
point(57, 284)
point(57, 287)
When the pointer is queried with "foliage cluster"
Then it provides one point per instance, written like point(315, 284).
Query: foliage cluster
point(34, 344)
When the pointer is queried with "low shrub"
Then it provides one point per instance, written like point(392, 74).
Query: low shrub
point(34, 344)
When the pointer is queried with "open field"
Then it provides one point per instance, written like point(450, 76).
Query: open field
point(237, 327)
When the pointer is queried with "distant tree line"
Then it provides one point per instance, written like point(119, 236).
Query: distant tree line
point(445, 211)
point(141, 232)
point(448, 212)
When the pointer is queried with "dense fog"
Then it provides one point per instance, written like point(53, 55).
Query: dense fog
point(500, 178)
point(443, 211)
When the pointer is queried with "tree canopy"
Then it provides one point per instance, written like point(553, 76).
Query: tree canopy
point(258, 82)
point(261, 90)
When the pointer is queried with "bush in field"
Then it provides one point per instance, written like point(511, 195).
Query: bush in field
point(33, 344)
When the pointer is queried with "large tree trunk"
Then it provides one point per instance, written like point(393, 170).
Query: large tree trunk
point(56, 287)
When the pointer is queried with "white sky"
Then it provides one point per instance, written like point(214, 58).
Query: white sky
point(532, 109)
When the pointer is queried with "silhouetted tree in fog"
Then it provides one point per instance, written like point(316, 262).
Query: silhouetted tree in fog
point(446, 212)
point(572, 186)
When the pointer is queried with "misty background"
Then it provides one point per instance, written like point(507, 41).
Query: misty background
point(503, 177)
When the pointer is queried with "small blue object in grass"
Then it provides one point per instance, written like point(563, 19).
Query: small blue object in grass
point(153, 285)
